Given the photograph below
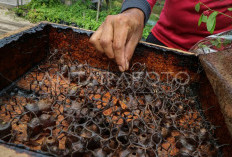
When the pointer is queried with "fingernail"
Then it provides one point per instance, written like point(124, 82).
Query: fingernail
point(121, 68)
point(127, 65)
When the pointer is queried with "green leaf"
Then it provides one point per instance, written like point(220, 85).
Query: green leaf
point(230, 9)
point(214, 42)
point(197, 7)
point(213, 28)
point(204, 18)
point(226, 42)
point(211, 22)
point(219, 45)
point(200, 20)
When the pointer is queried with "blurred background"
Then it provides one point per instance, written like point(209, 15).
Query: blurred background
point(87, 14)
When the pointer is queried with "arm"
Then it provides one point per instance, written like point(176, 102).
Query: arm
point(119, 34)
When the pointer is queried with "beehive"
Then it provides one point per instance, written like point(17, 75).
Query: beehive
point(46, 109)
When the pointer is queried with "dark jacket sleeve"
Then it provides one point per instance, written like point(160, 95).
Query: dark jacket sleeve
point(140, 4)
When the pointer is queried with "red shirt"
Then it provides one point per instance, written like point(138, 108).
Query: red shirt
point(178, 23)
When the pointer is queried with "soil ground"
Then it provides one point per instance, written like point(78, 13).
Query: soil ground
point(10, 22)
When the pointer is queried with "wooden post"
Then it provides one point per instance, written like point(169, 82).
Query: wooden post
point(17, 3)
point(98, 9)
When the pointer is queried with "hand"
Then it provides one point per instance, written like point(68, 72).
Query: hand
point(118, 36)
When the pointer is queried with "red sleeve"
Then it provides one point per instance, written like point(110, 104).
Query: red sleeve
point(152, 3)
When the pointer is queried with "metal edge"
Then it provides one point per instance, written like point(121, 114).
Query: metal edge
point(15, 35)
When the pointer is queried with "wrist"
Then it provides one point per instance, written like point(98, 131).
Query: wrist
point(142, 5)
point(136, 13)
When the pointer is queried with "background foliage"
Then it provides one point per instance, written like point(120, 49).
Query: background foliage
point(81, 14)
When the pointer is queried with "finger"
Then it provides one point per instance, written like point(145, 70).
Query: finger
point(129, 49)
point(106, 39)
point(95, 39)
point(119, 41)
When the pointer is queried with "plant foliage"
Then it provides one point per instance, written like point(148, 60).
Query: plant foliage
point(209, 19)
point(81, 14)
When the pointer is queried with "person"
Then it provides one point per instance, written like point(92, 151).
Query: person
point(177, 27)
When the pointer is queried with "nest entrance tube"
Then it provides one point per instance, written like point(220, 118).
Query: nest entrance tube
point(74, 103)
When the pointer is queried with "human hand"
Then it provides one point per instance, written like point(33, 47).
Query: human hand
point(118, 36)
